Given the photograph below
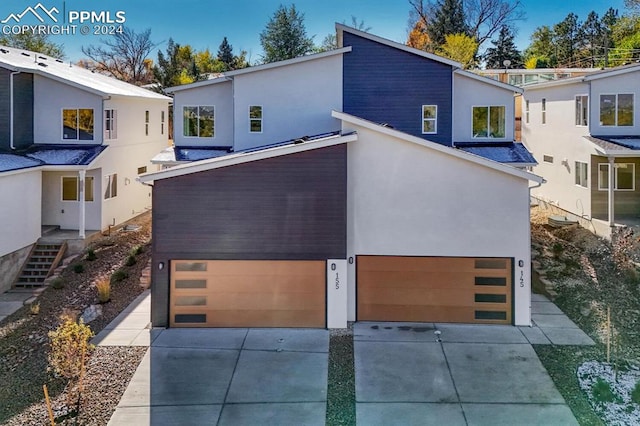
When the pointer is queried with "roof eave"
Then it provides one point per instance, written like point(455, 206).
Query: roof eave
point(491, 81)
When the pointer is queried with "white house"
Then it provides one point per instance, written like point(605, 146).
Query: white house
point(584, 131)
point(72, 146)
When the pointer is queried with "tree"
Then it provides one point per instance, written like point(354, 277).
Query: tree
point(124, 56)
point(567, 38)
point(504, 50)
point(176, 67)
point(448, 19)
point(482, 18)
point(40, 43)
point(330, 42)
point(460, 48)
point(285, 36)
point(542, 46)
point(418, 37)
point(225, 54)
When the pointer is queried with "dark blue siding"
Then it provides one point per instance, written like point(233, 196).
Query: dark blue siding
point(387, 85)
point(23, 109)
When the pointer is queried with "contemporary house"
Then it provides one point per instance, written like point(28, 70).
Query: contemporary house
point(71, 146)
point(350, 192)
point(585, 132)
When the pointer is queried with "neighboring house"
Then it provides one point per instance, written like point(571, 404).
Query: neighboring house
point(586, 133)
point(71, 146)
point(358, 201)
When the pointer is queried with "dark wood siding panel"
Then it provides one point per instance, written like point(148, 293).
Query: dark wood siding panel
point(4, 109)
point(387, 85)
point(290, 208)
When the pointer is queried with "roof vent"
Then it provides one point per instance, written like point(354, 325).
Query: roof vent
point(25, 54)
point(42, 57)
point(60, 61)
point(42, 64)
point(4, 51)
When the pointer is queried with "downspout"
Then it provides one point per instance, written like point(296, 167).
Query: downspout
point(11, 124)
point(538, 185)
point(611, 198)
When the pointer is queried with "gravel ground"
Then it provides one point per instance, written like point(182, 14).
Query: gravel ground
point(24, 337)
point(341, 392)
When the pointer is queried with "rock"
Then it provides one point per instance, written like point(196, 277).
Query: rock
point(91, 313)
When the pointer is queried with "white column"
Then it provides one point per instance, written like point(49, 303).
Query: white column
point(611, 199)
point(81, 202)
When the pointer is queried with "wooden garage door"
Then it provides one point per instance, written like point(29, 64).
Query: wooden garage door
point(434, 289)
point(258, 293)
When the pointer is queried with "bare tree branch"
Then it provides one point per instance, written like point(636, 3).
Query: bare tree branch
point(486, 17)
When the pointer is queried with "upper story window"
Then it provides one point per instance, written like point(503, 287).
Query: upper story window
point(255, 119)
point(544, 111)
point(582, 110)
point(71, 188)
point(616, 110)
point(110, 124)
point(489, 122)
point(515, 79)
point(429, 119)
point(526, 111)
point(198, 121)
point(162, 122)
point(146, 123)
point(77, 124)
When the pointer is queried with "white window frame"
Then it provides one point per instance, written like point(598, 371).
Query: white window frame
point(547, 159)
point(434, 119)
point(213, 107)
point(162, 122)
point(581, 102)
point(615, 176)
point(544, 110)
point(489, 121)
point(254, 119)
point(146, 122)
point(111, 131)
point(526, 111)
point(88, 180)
point(581, 174)
point(110, 178)
point(615, 109)
point(62, 110)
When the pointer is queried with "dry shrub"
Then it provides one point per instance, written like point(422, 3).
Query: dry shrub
point(104, 290)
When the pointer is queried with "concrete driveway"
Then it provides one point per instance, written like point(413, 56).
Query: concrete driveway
point(476, 375)
point(229, 377)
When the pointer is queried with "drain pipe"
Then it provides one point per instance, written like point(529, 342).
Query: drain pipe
point(11, 124)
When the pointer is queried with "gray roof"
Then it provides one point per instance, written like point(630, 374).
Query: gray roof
point(507, 153)
point(50, 155)
point(616, 143)
point(9, 162)
point(37, 63)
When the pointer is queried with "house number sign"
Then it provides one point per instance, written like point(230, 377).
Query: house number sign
point(521, 278)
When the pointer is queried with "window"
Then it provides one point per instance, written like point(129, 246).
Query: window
point(71, 188)
point(582, 177)
point(547, 158)
point(142, 170)
point(429, 119)
point(162, 122)
point(111, 186)
point(624, 176)
point(110, 124)
point(198, 121)
point(255, 119)
point(616, 110)
point(582, 109)
point(526, 112)
point(489, 122)
point(77, 124)
point(515, 79)
point(146, 123)
point(544, 111)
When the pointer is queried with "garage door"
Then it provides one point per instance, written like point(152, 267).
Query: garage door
point(434, 289)
point(234, 293)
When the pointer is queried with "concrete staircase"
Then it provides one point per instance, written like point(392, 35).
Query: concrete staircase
point(43, 259)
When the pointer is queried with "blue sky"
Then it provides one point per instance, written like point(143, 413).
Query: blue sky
point(203, 23)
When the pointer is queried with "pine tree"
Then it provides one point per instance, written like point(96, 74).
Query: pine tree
point(449, 18)
point(285, 36)
point(504, 50)
point(225, 54)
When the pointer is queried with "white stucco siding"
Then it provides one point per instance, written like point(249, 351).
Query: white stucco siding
point(296, 100)
point(50, 98)
point(20, 210)
point(561, 140)
point(66, 214)
point(617, 84)
point(408, 200)
point(220, 96)
point(469, 92)
point(133, 149)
